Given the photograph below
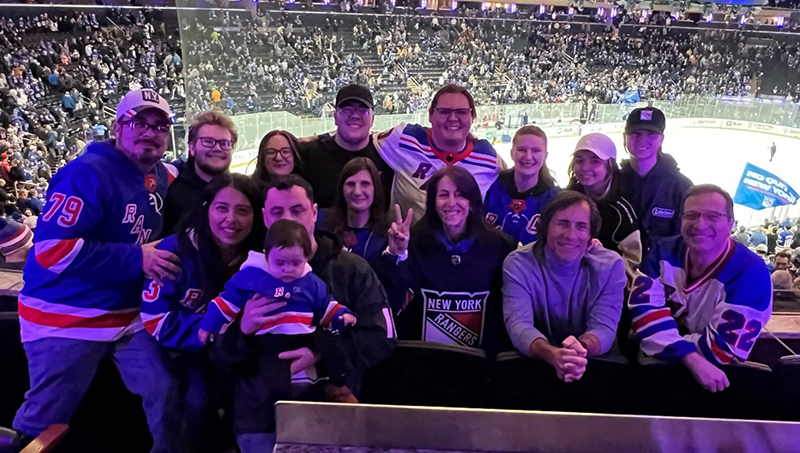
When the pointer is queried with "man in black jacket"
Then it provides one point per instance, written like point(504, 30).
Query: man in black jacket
point(327, 154)
point(212, 137)
point(651, 179)
point(351, 282)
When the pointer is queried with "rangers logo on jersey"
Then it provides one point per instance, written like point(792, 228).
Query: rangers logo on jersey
point(454, 317)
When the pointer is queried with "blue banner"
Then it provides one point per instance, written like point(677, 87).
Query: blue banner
point(630, 96)
point(760, 189)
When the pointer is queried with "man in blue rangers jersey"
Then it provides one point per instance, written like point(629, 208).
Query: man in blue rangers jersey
point(415, 152)
point(701, 298)
point(83, 277)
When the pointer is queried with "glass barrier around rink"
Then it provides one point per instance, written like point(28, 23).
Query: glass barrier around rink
point(252, 127)
point(781, 113)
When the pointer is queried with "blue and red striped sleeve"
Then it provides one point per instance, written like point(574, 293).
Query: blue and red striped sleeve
point(64, 242)
point(163, 315)
point(225, 308)
point(651, 319)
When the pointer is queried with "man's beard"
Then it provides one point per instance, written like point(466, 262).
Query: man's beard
point(210, 170)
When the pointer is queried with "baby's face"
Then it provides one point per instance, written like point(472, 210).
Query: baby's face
point(287, 263)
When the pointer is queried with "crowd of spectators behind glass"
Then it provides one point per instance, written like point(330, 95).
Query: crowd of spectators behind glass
point(57, 83)
point(304, 62)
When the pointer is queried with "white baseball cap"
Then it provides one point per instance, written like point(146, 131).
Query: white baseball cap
point(138, 100)
point(600, 144)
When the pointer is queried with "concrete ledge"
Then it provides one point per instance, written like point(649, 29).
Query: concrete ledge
point(442, 429)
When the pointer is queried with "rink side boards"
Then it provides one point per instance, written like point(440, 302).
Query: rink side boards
point(376, 428)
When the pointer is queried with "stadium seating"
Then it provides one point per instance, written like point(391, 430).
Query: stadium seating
point(529, 384)
point(787, 372)
point(428, 374)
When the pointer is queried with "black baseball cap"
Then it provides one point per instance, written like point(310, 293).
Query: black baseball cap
point(646, 119)
point(354, 93)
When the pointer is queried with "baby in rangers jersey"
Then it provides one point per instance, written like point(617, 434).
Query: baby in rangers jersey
point(285, 276)
point(701, 298)
point(415, 152)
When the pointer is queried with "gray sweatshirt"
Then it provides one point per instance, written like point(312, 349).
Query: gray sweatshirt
point(545, 297)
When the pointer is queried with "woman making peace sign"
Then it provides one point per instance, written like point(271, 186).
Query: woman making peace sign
point(450, 264)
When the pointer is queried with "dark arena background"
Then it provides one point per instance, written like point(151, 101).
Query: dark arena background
point(726, 76)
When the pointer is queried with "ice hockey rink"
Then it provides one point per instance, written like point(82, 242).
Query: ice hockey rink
point(715, 156)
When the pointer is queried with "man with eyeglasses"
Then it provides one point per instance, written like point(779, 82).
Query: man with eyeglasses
point(416, 152)
point(212, 137)
point(701, 298)
point(83, 278)
point(326, 155)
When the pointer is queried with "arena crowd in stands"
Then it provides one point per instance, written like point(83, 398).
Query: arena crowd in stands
point(291, 274)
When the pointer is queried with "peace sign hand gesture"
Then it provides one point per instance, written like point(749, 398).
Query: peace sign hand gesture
point(399, 233)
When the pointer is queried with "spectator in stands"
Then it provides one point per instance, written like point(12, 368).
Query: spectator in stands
point(352, 283)
point(715, 319)
point(415, 152)
point(651, 180)
point(759, 237)
point(34, 202)
point(90, 251)
point(212, 137)
point(68, 103)
point(278, 155)
point(741, 236)
point(562, 297)
point(782, 281)
point(358, 216)
point(594, 172)
point(211, 248)
point(772, 239)
point(782, 260)
point(354, 117)
point(515, 200)
point(432, 259)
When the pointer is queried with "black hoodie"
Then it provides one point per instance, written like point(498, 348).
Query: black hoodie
point(353, 283)
point(656, 197)
point(185, 195)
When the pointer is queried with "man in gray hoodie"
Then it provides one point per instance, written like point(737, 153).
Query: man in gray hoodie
point(562, 296)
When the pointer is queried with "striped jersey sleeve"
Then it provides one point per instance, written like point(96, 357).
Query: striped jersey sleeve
point(62, 244)
point(167, 310)
point(224, 309)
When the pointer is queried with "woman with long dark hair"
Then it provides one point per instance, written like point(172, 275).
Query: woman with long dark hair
point(358, 215)
point(211, 250)
point(594, 172)
point(452, 262)
point(278, 154)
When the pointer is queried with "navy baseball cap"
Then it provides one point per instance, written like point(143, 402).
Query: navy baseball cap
point(646, 119)
point(354, 93)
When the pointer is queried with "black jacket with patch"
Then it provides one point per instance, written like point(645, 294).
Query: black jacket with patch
point(656, 197)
